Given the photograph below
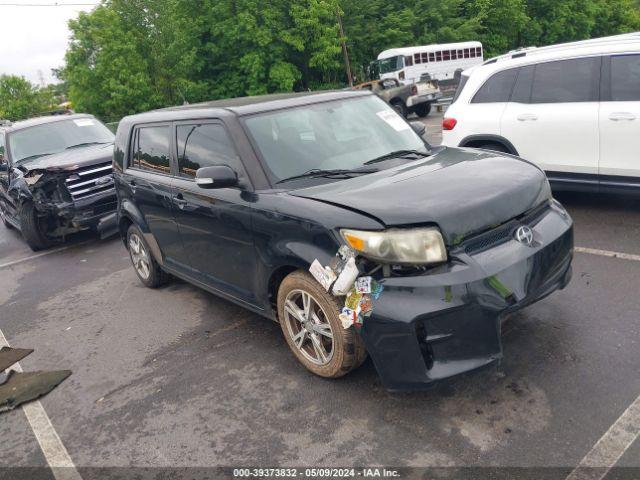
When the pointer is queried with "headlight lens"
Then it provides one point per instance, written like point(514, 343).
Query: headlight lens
point(414, 246)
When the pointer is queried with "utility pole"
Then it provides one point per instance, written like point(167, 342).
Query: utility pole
point(347, 65)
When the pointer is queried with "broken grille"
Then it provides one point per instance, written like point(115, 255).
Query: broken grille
point(90, 181)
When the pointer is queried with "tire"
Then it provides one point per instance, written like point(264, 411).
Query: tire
point(400, 107)
point(423, 109)
point(3, 216)
point(496, 147)
point(32, 228)
point(309, 343)
point(145, 266)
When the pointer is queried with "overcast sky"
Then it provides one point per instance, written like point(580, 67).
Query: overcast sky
point(34, 39)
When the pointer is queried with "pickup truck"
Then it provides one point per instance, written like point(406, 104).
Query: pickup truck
point(405, 99)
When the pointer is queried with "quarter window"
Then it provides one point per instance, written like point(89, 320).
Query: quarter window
point(204, 145)
point(625, 78)
point(152, 149)
point(497, 88)
point(566, 81)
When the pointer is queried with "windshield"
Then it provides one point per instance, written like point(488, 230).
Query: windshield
point(389, 64)
point(342, 134)
point(55, 137)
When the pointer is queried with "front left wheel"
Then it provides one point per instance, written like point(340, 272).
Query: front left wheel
point(309, 320)
point(33, 227)
point(3, 217)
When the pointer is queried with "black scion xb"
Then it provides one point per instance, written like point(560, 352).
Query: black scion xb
point(285, 204)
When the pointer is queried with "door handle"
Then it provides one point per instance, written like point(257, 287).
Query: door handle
point(622, 116)
point(527, 117)
point(179, 201)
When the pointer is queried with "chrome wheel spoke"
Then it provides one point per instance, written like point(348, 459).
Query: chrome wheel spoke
point(324, 329)
point(319, 349)
point(292, 309)
point(299, 338)
point(307, 303)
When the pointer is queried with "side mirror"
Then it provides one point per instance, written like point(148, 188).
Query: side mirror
point(418, 127)
point(218, 176)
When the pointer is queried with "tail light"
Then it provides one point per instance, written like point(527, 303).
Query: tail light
point(414, 90)
point(449, 123)
point(401, 75)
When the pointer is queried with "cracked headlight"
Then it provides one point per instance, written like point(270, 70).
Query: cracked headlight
point(401, 246)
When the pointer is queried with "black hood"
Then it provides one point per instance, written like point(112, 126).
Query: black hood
point(71, 159)
point(460, 190)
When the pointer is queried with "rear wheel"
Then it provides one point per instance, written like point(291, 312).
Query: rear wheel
point(309, 320)
point(147, 269)
point(400, 107)
point(33, 227)
point(422, 109)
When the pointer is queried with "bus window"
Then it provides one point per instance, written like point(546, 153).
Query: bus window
point(478, 52)
point(425, 59)
point(466, 53)
point(432, 57)
point(446, 55)
point(438, 56)
point(453, 55)
point(416, 58)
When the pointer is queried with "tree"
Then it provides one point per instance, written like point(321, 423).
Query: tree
point(19, 99)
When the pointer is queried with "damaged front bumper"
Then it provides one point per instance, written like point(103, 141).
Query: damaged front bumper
point(446, 322)
point(82, 214)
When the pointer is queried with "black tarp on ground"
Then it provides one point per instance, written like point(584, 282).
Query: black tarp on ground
point(24, 387)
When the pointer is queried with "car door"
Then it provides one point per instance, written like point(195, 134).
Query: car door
point(552, 118)
point(620, 120)
point(215, 224)
point(148, 181)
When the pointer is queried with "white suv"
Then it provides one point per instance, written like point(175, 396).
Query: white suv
point(573, 109)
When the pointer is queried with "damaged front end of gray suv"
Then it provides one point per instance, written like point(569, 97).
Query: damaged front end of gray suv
point(56, 177)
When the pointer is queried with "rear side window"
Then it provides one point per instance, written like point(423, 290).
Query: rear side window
point(566, 81)
point(522, 89)
point(204, 145)
point(497, 88)
point(463, 82)
point(151, 150)
point(625, 78)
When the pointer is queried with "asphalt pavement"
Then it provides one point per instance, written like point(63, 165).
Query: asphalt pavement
point(177, 377)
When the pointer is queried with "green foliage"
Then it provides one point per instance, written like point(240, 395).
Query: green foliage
point(133, 55)
point(19, 99)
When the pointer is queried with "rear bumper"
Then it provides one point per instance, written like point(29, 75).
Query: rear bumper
point(427, 97)
point(430, 327)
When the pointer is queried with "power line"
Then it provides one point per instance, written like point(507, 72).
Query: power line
point(56, 4)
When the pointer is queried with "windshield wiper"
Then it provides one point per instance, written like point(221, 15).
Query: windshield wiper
point(397, 154)
point(319, 172)
point(37, 155)
point(86, 144)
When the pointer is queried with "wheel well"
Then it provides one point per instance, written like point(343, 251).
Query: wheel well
point(274, 283)
point(123, 227)
point(504, 144)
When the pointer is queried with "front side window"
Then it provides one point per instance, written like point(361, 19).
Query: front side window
point(342, 134)
point(625, 78)
point(566, 81)
point(390, 64)
point(204, 145)
point(55, 137)
point(497, 88)
point(152, 149)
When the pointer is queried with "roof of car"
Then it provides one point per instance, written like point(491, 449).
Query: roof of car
point(245, 105)
point(32, 122)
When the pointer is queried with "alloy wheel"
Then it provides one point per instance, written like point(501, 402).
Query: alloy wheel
point(308, 327)
point(139, 256)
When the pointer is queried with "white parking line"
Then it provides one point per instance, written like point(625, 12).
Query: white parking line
point(38, 255)
point(52, 447)
point(613, 444)
point(608, 253)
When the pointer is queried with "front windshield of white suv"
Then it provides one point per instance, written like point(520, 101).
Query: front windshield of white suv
point(343, 134)
point(55, 137)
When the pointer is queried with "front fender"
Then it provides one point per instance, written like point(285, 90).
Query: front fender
point(128, 212)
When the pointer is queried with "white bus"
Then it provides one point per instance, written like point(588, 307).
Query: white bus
point(408, 64)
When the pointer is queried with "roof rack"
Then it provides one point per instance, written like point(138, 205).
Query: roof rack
point(522, 52)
